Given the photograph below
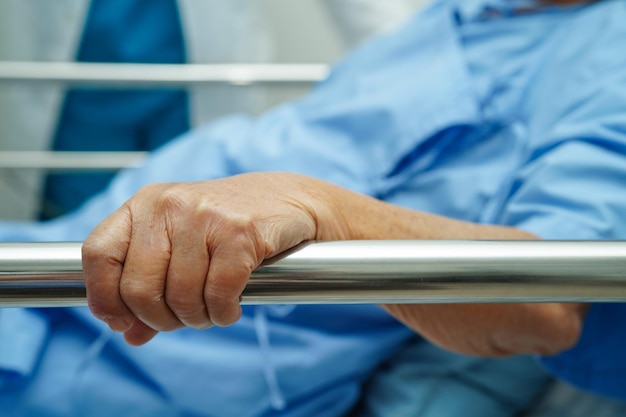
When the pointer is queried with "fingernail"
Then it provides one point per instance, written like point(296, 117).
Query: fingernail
point(118, 325)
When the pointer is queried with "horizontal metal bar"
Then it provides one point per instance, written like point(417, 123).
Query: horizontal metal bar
point(160, 75)
point(70, 161)
point(50, 274)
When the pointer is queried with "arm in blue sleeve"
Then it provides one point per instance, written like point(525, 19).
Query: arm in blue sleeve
point(573, 186)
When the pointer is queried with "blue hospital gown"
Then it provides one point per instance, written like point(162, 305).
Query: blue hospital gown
point(474, 110)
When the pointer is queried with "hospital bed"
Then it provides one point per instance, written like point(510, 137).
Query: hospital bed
point(50, 274)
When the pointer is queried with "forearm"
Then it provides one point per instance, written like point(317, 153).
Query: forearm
point(481, 329)
point(346, 215)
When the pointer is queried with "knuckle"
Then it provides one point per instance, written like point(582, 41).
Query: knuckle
point(150, 189)
point(167, 327)
point(170, 199)
point(94, 249)
point(231, 218)
point(223, 310)
point(216, 301)
point(159, 197)
point(90, 248)
point(226, 317)
point(170, 194)
point(95, 256)
point(241, 222)
point(184, 306)
point(136, 293)
point(205, 208)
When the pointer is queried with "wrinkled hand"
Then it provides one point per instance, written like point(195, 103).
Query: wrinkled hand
point(181, 254)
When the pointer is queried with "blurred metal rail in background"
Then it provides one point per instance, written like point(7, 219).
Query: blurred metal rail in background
point(161, 75)
point(50, 274)
point(136, 76)
point(70, 161)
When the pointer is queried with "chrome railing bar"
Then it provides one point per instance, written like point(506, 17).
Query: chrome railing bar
point(50, 274)
point(70, 161)
point(160, 75)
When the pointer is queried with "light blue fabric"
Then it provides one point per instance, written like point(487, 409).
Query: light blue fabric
point(474, 112)
point(423, 380)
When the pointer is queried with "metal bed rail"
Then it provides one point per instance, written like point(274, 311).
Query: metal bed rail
point(161, 75)
point(77, 161)
point(58, 161)
point(349, 272)
point(136, 76)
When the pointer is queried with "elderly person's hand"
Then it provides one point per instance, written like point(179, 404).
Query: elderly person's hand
point(179, 255)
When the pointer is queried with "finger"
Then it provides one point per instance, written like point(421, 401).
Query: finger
point(139, 333)
point(186, 278)
point(142, 285)
point(103, 256)
point(229, 271)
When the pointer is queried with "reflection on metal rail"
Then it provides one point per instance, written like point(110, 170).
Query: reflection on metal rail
point(161, 75)
point(50, 274)
point(70, 161)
